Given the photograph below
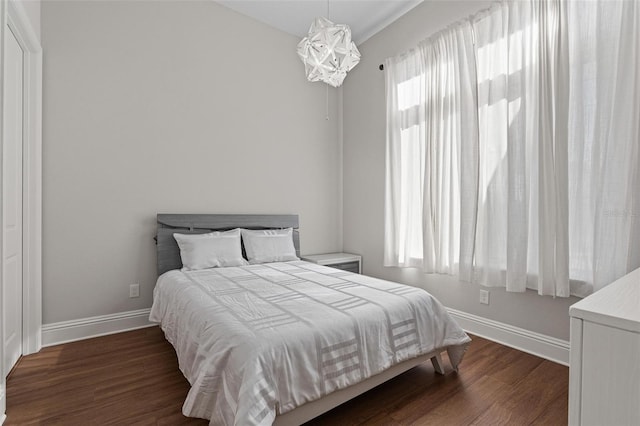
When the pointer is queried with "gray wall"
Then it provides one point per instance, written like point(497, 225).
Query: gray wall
point(161, 107)
point(364, 174)
point(164, 107)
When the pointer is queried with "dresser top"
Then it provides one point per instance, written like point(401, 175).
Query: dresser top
point(616, 305)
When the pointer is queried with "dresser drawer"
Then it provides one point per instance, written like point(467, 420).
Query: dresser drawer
point(344, 261)
point(347, 266)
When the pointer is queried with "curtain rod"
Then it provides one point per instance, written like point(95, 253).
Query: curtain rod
point(475, 17)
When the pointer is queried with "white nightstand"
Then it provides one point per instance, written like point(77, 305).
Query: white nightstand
point(345, 261)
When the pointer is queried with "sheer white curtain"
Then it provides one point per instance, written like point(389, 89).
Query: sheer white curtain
point(406, 128)
point(431, 183)
point(522, 231)
point(515, 161)
point(604, 140)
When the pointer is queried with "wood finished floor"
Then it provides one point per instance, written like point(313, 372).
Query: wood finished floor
point(133, 379)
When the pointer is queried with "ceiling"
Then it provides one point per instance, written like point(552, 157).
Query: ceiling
point(365, 17)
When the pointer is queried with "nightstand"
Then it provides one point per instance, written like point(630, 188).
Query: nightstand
point(345, 261)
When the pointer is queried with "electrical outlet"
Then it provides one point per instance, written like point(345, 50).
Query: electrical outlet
point(134, 290)
point(484, 297)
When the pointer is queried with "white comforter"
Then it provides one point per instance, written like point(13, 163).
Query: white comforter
point(258, 340)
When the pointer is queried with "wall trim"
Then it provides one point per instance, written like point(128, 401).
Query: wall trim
point(547, 347)
point(371, 31)
point(102, 325)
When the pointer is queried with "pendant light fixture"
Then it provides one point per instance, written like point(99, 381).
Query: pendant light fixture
point(328, 52)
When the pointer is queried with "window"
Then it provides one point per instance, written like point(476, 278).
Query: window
point(511, 139)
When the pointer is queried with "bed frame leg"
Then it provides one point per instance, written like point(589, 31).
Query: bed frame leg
point(437, 364)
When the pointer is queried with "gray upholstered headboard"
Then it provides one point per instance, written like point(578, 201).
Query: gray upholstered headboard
point(167, 248)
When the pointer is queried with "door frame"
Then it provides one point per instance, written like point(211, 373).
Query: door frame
point(3, 385)
point(13, 16)
point(20, 26)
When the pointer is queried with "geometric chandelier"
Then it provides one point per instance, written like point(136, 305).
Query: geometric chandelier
point(328, 52)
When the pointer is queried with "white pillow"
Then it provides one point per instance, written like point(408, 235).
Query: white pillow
point(212, 250)
point(271, 245)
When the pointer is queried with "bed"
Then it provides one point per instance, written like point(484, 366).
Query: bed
point(283, 342)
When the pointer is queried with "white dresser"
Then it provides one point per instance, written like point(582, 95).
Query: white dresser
point(604, 374)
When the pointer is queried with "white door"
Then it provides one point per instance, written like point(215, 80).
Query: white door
point(12, 202)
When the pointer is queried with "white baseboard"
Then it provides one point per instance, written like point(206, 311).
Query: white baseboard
point(537, 344)
point(547, 347)
point(85, 328)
